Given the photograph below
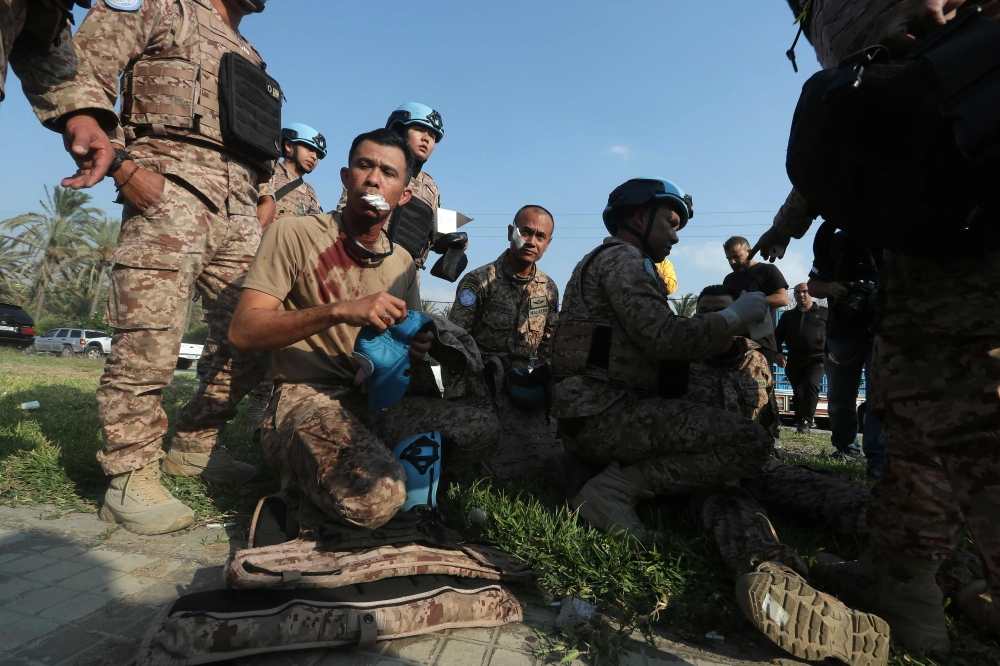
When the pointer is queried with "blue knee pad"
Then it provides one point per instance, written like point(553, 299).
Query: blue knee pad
point(420, 456)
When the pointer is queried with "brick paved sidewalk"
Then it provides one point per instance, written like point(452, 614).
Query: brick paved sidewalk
point(73, 594)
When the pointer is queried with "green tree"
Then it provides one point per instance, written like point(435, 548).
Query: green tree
point(11, 268)
point(52, 240)
point(101, 234)
point(685, 306)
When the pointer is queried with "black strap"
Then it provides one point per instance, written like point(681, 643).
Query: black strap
point(282, 191)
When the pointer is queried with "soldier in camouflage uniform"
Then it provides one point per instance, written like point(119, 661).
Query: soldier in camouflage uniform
point(936, 371)
point(510, 306)
point(422, 127)
point(625, 359)
point(35, 39)
point(315, 282)
point(189, 222)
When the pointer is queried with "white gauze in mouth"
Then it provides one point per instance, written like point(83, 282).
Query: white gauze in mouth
point(376, 201)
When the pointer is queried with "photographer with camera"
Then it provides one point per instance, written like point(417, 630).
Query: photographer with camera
point(845, 272)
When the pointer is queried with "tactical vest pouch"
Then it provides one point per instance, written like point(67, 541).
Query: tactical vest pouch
point(602, 351)
point(899, 152)
point(228, 624)
point(412, 227)
point(249, 108)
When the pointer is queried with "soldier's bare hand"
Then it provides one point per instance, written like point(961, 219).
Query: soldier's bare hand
point(143, 188)
point(839, 291)
point(91, 150)
point(380, 310)
point(421, 345)
point(771, 245)
point(900, 27)
point(779, 360)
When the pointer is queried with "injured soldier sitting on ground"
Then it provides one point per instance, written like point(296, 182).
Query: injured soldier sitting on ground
point(322, 289)
point(625, 363)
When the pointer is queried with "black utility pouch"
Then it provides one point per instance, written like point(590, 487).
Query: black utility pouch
point(249, 109)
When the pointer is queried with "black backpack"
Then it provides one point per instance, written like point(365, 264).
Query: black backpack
point(905, 153)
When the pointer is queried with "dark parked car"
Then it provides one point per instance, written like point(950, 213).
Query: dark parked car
point(17, 328)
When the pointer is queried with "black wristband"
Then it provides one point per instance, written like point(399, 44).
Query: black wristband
point(120, 157)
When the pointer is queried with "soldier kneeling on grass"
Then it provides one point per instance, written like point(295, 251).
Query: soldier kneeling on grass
point(625, 362)
point(316, 285)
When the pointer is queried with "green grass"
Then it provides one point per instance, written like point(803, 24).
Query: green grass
point(678, 587)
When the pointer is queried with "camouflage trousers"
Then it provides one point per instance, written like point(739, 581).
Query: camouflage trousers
point(177, 245)
point(341, 452)
point(942, 434)
point(680, 446)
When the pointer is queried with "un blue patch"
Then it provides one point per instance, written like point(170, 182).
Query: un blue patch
point(467, 297)
point(124, 5)
point(648, 265)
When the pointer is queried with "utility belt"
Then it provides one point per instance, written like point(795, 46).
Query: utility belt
point(602, 351)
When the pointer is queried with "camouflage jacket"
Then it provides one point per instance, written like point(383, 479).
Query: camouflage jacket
point(108, 43)
point(740, 382)
point(300, 201)
point(507, 316)
point(621, 286)
point(425, 189)
point(40, 65)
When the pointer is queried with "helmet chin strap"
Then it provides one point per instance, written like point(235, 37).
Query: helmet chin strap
point(644, 236)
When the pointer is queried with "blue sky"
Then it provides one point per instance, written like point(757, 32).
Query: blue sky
point(553, 103)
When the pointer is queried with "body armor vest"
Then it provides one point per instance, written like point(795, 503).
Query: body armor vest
point(176, 92)
point(595, 348)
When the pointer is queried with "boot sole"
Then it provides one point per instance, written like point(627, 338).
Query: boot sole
point(108, 515)
point(799, 620)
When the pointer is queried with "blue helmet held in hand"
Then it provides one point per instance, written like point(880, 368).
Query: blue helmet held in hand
point(414, 113)
point(385, 357)
point(307, 136)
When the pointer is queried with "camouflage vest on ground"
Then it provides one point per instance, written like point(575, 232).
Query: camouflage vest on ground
point(176, 92)
point(603, 350)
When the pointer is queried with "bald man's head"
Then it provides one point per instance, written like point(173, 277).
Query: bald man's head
point(534, 225)
point(802, 297)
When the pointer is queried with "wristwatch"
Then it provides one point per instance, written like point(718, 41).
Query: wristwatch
point(120, 156)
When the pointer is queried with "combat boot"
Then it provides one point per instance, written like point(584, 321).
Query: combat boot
point(138, 501)
point(808, 623)
point(977, 606)
point(901, 590)
point(608, 501)
point(217, 466)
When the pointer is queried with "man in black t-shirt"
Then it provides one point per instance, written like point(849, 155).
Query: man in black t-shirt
point(750, 276)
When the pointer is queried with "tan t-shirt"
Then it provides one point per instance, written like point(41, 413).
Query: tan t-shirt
point(303, 261)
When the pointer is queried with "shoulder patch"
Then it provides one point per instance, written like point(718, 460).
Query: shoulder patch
point(648, 265)
point(467, 297)
point(124, 5)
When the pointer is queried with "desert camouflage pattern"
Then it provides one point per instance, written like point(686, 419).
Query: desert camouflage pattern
point(527, 437)
point(107, 44)
point(341, 452)
point(176, 246)
point(39, 66)
point(742, 531)
point(300, 201)
point(186, 639)
point(510, 316)
point(283, 565)
point(680, 446)
point(425, 189)
point(621, 286)
point(942, 401)
point(743, 387)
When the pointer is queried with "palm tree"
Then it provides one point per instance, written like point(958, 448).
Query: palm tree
point(11, 267)
point(102, 235)
point(685, 306)
point(51, 240)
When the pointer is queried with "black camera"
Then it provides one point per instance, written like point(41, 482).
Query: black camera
point(861, 298)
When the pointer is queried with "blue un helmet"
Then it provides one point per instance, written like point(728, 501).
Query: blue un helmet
point(413, 113)
point(307, 136)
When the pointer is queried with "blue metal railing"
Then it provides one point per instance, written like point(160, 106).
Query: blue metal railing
point(781, 382)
